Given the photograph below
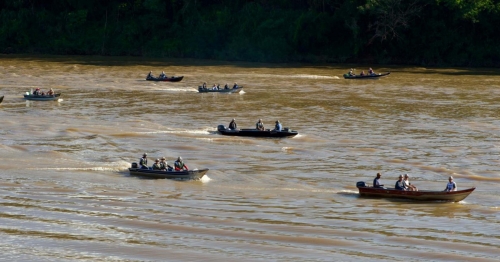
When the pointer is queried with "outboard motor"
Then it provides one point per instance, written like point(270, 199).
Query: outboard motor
point(134, 165)
point(221, 127)
point(361, 184)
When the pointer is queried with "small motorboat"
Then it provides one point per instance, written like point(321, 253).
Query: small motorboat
point(367, 76)
point(194, 174)
point(286, 132)
point(165, 79)
point(421, 195)
point(29, 96)
point(222, 90)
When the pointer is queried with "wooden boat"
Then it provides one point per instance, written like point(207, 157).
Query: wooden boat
point(1, 99)
point(165, 79)
point(194, 174)
point(222, 90)
point(286, 132)
point(372, 76)
point(421, 195)
point(42, 97)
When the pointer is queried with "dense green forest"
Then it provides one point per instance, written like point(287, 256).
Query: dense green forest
point(412, 32)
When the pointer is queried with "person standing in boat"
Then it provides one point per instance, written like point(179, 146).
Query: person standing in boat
point(156, 165)
point(400, 184)
point(451, 186)
point(278, 126)
point(233, 125)
point(164, 165)
point(143, 162)
point(260, 125)
point(409, 185)
point(376, 181)
point(179, 165)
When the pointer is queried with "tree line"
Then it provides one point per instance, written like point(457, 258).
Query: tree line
point(413, 32)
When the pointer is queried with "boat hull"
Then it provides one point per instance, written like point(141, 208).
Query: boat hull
point(421, 195)
point(42, 97)
point(195, 174)
point(256, 133)
point(374, 76)
point(1, 99)
point(166, 79)
point(232, 90)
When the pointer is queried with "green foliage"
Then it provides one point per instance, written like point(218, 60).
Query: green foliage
point(427, 32)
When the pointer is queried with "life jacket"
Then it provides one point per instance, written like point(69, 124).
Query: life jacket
point(179, 165)
point(143, 162)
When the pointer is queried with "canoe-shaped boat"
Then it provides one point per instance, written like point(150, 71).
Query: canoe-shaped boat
point(286, 132)
point(421, 195)
point(165, 79)
point(194, 174)
point(1, 99)
point(42, 97)
point(230, 90)
point(372, 76)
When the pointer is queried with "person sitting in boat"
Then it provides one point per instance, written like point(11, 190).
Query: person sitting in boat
point(226, 86)
point(179, 165)
point(376, 181)
point(451, 186)
point(235, 86)
point(278, 126)
point(214, 87)
point(143, 162)
point(370, 71)
point(260, 125)
point(351, 72)
point(233, 125)
point(218, 86)
point(37, 92)
point(204, 86)
point(410, 186)
point(150, 74)
point(362, 73)
point(400, 184)
point(164, 165)
point(162, 75)
point(51, 92)
point(156, 165)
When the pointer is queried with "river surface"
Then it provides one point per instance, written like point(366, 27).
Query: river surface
point(66, 195)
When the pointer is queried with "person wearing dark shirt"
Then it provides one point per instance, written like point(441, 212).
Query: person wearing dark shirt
point(400, 184)
point(233, 125)
point(143, 162)
point(376, 181)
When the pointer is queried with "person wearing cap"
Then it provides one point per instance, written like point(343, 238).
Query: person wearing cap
point(164, 165)
point(376, 181)
point(233, 125)
point(143, 162)
point(410, 186)
point(179, 165)
point(278, 126)
point(451, 186)
point(37, 91)
point(156, 165)
point(260, 125)
point(400, 184)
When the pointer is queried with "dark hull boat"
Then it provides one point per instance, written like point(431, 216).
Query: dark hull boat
point(421, 195)
point(286, 132)
point(232, 90)
point(165, 79)
point(42, 97)
point(194, 174)
point(1, 99)
point(374, 76)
